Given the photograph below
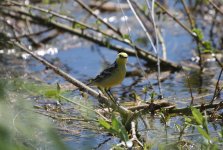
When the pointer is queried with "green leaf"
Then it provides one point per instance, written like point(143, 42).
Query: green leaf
point(187, 119)
point(198, 33)
point(52, 93)
point(115, 123)
point(115, 128)
point(46, 1)
point(205, 122)
point(104, 123)
point(197, 115)
point(119, 128)
point(152, 95)
point(144, 8)
point(221, 133)
point(207, 45)
point(126, 36)
point(145, 89)
point(207, 51)
point(178, 127)
point(124, 135)
point(203, 133)
point(142, 41)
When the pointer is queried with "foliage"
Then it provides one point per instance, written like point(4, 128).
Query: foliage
point(206, 45)
point(115, 128)
point(19, 128)
point(198, 33)
point(200, 122)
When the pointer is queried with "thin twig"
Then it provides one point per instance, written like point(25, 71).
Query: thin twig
point(216, 7)
point(191, 92)
point(216, 87)
point(211, 31)
point(129, 143)
point(188, 14)
point(176, 20)
point(89, 10)
point(187, 110)
point(134, 137)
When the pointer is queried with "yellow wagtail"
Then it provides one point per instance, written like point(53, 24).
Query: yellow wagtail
point(113, 75)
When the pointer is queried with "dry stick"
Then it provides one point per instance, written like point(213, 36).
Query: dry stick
point(170, 107)
point(157, 105)
point(134, 137)
point(89, 10)
point(211, 31)
point(145, 108)
point(187, 110)
point(102, 42)
point(122, 110)
point(216, 7)
point(188, 14)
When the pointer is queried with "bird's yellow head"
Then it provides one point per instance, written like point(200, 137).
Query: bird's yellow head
point(122, 58)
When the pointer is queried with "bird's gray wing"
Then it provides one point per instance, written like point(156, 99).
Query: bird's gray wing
point(105, 73)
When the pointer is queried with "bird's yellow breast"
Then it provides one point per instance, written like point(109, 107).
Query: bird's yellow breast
point(116, 77)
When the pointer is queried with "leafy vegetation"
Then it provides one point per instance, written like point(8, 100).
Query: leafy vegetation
point(20, 127)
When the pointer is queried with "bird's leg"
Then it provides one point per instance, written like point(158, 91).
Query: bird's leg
point(110, 95)
point(104, 92)
point(114, 100)
point(109, 91)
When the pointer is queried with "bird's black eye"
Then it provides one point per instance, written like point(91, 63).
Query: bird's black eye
point(121, 56)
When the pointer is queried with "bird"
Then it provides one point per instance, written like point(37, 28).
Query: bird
point(112, 76)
